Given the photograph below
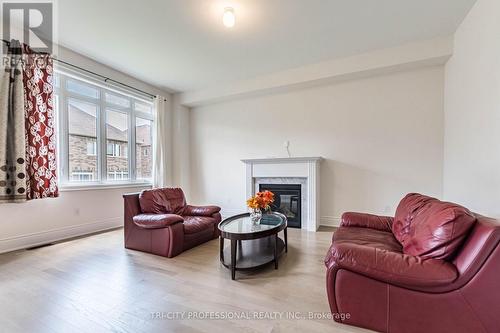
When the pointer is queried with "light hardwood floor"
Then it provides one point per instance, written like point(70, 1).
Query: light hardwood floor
point(93, 284)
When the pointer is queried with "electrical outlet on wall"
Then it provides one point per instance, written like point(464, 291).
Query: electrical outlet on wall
point(286, 144)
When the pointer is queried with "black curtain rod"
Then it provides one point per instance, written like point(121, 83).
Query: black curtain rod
point(106, 79)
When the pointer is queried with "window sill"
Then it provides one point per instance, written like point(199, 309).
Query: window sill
point(101, 186)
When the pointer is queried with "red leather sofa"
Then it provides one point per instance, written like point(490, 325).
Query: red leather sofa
point(433, 267)
point(159, 221)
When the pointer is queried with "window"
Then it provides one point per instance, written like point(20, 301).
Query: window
point(81, 88)
point(115, 149)
point(96, 142)
point(117, 144)
point(117, 175)
point(143, 139)
point(91, 147)
point(141, 107)
point(117, 100)
point(82, 176)
point(82, 131)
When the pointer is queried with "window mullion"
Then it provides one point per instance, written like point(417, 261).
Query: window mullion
point(64, 132)
point(102, 154)
point(132, 146)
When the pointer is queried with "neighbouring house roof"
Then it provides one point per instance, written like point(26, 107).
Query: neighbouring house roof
point(84, 124)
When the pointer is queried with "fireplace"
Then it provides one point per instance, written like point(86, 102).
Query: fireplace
point(289, 171)
point(287, 201)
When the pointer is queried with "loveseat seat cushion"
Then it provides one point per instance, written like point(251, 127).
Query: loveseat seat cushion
point(195, 224)
point(156, 221)
point(162, 201)
point(366, 237)
point(430, 228)
point(390, 266)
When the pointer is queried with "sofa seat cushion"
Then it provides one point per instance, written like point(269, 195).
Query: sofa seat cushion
point(378, 255)
point(162, 201)
point(200, 210)
point(156, 221)
point(430, 228)
point(386, 263)
point(195, 224)
point(367, 237)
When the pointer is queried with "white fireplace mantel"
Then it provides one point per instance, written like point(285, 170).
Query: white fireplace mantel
point(292, 167)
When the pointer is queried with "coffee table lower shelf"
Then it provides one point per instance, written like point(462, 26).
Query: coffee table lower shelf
point(252, 253)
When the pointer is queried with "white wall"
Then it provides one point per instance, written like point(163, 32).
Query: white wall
point(181, 146)
point(472, 112)
point(74, 212)
point(381, 137)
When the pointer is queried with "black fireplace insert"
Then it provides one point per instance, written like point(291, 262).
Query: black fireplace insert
point(287, 201)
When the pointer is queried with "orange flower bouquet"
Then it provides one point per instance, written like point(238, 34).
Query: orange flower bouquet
point(260, 201)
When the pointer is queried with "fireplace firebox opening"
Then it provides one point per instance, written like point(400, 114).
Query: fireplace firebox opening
point(287, 201)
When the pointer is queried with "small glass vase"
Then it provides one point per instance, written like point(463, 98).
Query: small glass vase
point(255, 216)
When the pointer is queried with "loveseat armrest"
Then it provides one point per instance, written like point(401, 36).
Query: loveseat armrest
point(156, 221)
point(391, 267)
point(200, 210)
point(362, 220)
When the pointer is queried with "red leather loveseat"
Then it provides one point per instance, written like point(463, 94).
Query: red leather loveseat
point(434, 267)
point(158, 221)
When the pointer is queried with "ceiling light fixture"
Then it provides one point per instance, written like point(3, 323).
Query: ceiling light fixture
point(228, 18)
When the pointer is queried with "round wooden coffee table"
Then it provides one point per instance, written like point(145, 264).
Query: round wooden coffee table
point(253, 245)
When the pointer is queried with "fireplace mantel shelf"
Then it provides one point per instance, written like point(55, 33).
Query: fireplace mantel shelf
point(282, 160)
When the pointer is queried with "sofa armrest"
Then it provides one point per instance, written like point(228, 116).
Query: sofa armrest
point(391, 267)
point(156, 221)
point(131, 202)
point(200, 210)
point(362, 220)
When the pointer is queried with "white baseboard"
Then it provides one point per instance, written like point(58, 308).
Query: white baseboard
point(43, 237)
point(329, 221)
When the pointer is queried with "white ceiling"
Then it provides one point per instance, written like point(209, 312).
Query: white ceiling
point(182, 44)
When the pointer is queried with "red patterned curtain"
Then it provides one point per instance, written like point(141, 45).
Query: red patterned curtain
point(40, 124)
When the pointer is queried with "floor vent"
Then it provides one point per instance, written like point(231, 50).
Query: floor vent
point(39, 246)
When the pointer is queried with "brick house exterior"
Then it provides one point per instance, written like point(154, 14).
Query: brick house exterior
point(83, 149)
point(144, 153)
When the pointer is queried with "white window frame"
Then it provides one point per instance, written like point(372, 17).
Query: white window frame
point(63, 96)
point(94, 148)
point(116, 149)
point(81, 173)
point(118, 173)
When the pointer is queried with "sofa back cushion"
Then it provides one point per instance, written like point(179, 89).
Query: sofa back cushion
point(162, 201)
point(430, 228)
